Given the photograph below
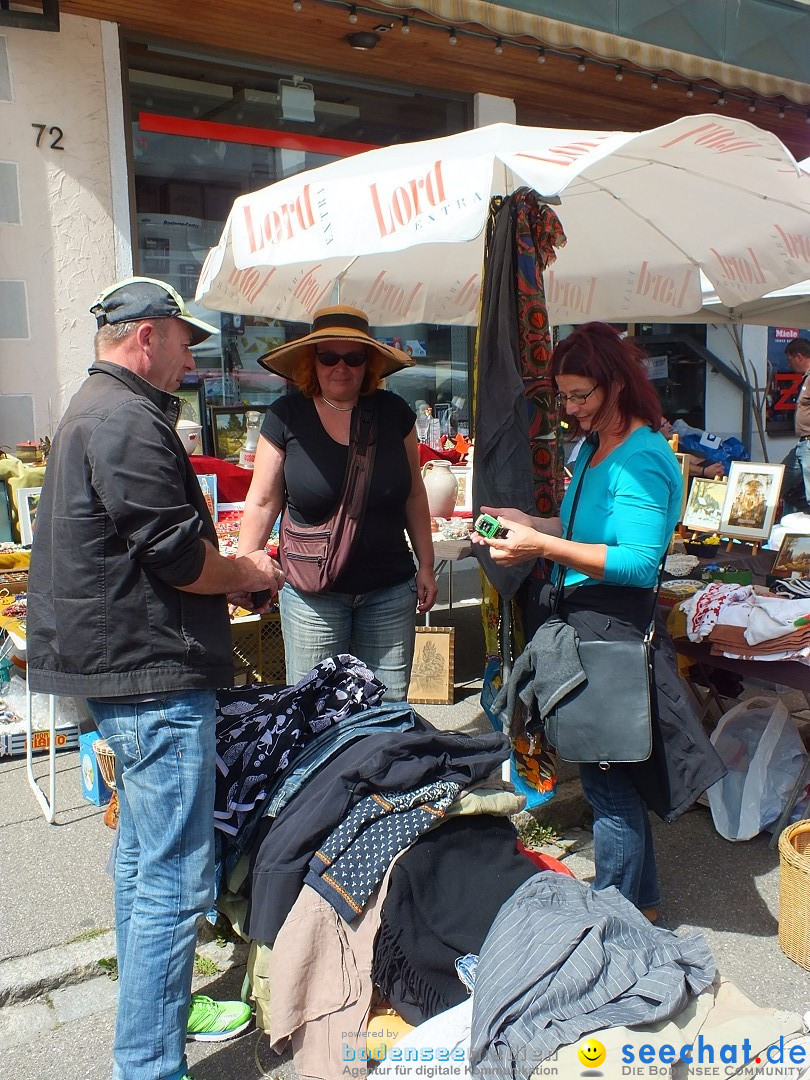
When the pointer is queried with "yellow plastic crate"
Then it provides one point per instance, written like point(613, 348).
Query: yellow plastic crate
point(258, 650)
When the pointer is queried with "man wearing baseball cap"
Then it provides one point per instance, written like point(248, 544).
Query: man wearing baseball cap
point(127, 607)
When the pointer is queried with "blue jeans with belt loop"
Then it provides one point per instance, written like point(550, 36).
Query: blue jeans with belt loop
point(164, 870)
point(622, 840)
point(378, 627)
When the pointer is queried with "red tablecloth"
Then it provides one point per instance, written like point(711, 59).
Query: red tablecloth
point(232, 481)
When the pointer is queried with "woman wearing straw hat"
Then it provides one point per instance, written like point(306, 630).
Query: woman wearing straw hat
point(369, 610)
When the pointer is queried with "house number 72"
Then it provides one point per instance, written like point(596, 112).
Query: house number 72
point(55, 132)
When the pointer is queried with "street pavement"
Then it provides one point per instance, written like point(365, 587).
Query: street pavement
point(57, 1004)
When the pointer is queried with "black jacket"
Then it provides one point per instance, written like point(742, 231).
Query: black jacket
point(683, 762)
point(382, 761)
point(120, 524)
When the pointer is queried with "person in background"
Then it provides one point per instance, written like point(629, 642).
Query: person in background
point(797, 352)
point(370, 609)
point(711, 470)
point(628, 508)
point(127, 607)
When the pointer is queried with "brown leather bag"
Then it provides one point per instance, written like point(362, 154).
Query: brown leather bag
point(313, 556)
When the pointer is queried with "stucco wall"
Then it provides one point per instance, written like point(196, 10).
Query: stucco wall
point(63, 247)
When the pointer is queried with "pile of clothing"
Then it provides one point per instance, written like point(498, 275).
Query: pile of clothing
point(372, 861)
point(744, 624)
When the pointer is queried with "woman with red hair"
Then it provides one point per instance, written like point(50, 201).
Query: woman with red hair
point(628, 507)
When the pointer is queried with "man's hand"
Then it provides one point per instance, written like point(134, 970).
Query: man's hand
point(258, 573)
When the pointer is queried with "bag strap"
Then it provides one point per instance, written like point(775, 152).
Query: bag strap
point(561, 570)
point(362, 451)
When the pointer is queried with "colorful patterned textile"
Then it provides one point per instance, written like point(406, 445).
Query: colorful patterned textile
point(351, 862)
point(537, 233)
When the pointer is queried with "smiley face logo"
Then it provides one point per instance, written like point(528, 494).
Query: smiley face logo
point(592, 1054)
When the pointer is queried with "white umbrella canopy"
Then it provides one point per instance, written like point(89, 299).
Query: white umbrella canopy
point(401, 229)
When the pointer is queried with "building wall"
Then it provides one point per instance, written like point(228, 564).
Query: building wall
point(61, 250)
point(724, 401)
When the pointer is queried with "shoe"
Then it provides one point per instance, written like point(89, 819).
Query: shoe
point(216, 1021)
point(650, 913)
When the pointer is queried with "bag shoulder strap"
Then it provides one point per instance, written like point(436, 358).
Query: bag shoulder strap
point(561, 570)
point(359, 467)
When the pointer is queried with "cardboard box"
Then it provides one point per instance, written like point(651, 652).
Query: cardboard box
point(94, 788)
point(13, 741)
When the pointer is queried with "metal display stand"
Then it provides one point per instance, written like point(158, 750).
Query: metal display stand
point(47, 802)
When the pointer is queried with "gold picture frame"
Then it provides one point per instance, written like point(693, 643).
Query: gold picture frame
point(432, 672)
point(752, 499)
point(704, 505)
point(793, 556)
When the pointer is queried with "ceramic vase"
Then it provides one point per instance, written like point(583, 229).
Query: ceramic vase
point(441, 486)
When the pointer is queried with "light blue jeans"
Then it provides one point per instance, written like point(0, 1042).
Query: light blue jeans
point(377, 627)
point(622, 840)
point(164, 870)
point(803, 458)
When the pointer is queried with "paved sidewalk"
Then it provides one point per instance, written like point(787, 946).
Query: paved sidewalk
point(57, 1005)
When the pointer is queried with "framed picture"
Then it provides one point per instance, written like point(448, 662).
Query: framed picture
point(463, 476)
point(432, 672)
point(704, 505)
point(751, 500)
point(683, 461)
point(6, 527)
point(192, 407)
point(793, 557)
point(208, 486)
point(229, 428)
point(27, 506)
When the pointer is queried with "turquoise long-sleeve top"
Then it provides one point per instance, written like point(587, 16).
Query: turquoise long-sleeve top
point(631, 502)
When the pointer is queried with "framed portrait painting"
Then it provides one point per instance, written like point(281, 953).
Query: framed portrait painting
point(751, 500)
point(704, 505)
point(432, 675)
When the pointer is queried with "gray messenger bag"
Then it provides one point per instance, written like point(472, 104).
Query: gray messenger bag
point(608, 718)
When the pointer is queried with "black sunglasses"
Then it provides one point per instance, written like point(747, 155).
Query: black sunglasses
point(332, 359)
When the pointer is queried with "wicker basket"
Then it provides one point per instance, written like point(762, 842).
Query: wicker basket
point(106, 762)
point(794, 892)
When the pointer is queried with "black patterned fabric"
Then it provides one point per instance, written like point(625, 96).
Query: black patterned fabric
point(261, 728)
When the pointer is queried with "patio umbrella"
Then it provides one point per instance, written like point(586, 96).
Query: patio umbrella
point(401, 229)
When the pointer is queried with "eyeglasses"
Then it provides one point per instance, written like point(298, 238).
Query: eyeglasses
point(332, 359)
point(575, 398)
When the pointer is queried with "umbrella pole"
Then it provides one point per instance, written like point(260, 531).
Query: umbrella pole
point(505, 637)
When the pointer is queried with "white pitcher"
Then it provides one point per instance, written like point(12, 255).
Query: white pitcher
point(441, 486)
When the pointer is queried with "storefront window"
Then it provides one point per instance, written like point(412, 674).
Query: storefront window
point(204, 131)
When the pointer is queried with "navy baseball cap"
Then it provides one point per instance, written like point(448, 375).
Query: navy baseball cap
point(140, 298)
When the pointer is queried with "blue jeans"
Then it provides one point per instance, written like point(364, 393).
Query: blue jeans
point(164, 870)
point(622, 840)
point(377, 627)
point(803, 458)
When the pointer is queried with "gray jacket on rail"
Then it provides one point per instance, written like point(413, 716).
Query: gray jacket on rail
point(120, 524)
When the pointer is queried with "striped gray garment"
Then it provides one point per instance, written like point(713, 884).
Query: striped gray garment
point(562, 960)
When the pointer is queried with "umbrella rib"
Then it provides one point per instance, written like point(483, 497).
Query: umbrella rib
point(726, 185)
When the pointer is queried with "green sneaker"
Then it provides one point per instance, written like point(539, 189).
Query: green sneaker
point(216, 1021)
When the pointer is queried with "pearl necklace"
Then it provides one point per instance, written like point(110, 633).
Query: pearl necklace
point(337, 408)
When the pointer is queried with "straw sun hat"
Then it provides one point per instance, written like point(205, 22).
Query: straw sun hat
point(330, 324)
